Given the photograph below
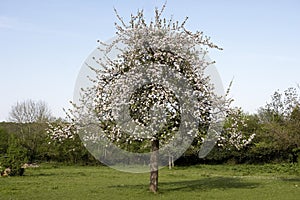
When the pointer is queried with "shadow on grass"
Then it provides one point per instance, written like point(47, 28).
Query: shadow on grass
point(210, 183)
point(296, 179)
point(79, 174)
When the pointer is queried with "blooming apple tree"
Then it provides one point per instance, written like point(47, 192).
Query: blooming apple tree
point(151, 98)
point(232, 135)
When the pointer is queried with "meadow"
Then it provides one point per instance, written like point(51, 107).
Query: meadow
point(56, 181)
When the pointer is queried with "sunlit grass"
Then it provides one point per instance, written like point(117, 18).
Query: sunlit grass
point(52, 181)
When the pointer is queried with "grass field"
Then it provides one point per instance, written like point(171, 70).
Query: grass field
point(53, 181)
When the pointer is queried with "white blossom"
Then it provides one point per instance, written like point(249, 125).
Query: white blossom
point(175, 60)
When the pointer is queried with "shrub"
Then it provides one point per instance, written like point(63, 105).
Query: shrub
point(15, 157)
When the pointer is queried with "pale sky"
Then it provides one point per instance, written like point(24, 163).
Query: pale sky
point(44, 43)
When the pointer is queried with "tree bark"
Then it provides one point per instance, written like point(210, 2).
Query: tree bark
point(154, 166)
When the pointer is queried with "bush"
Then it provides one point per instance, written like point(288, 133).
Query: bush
point(15, 157)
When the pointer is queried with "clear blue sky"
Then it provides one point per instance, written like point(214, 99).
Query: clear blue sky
point(44, 43)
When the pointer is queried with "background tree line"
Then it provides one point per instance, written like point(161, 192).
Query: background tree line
point(25, 139)
point(276, 127)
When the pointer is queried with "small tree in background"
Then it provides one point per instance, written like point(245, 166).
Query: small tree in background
point(280, 136)
point(30, 119)
point(234, 134)
point(30, 111)
point(236, 138)
point(65, 143)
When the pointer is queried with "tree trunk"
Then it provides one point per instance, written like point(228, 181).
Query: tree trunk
point(171, 161)
point(154, 166)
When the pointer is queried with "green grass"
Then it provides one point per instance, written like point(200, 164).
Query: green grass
point(52, 181)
